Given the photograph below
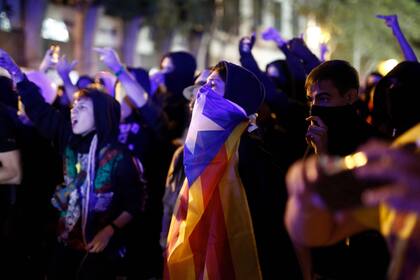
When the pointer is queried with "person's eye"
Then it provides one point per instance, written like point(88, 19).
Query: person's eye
point(322, 98)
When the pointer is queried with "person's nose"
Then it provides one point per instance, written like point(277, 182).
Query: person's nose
point(74, 111)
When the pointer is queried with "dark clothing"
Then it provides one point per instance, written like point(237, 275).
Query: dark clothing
point(396, 99)
point(10, 252)
point(172, 101)
point(70, 264)
point(346, 130)
point(276, 99)
point(8, 140)
point(365, 256)
point(117, 184)
point(182, 75)
point(144, 132)
point(266, 194)
point(176, 111)
point(281, 118)
point(33, 198)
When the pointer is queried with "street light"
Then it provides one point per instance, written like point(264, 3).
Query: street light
point(315, 36)
point(387, 65)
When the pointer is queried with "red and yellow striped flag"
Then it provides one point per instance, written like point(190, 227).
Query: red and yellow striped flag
point(211, 234)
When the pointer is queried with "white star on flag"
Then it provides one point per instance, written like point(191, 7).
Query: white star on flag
point(199, 123)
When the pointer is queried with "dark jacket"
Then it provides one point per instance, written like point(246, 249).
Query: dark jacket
point(124, 179)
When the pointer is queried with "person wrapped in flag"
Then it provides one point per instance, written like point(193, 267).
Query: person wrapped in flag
point(219, 227)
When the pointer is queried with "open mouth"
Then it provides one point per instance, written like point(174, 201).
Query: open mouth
point(74, 122)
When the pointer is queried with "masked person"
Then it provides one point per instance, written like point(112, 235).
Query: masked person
point(226, 222)
point(282, 116)
point(103, 189)
point(391, 207)
point(336, 129)
point(177, 70)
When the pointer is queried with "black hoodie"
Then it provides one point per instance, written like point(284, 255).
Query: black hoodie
point(183, 74)
point(396, 99)
point(172, 100)
point(243, 88)
point(263, 182)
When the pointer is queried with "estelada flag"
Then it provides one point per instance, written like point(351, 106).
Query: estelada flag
point(211, 234)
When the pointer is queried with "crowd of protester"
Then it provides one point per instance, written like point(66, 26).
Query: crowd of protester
point(318, 178)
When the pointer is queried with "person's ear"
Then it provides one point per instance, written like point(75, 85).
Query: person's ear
point(351, 96)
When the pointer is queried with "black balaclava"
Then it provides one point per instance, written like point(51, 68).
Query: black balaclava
point(141, 76)
point(397, 98)
point(107, 113)
point(7, 95)
point(282, 82)
point(183, 74)
point(344, 128)
point(243, 88)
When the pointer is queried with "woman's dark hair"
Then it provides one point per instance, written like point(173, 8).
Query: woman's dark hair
point(106, 112)
point(220, 68)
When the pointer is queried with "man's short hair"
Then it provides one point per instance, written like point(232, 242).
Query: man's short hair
point(339, 72)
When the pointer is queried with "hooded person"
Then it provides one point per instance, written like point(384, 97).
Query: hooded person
point(103, 189)
point(396, 99)
point(279, 73)
point(178, 69)
point(182, 73)
point(280, 117)
point(225, 227)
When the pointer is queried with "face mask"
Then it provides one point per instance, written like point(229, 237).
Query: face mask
point(333, 116)
point(342, 123)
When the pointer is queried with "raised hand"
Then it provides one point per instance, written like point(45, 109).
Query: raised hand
point(246, 44)
point(7, 62)
point(50, 58)
point(323, 47)
point(298, 47)
point(157, 79)
point(271, 34)
point(64, 67)
point(390, 20)
point(110, 58)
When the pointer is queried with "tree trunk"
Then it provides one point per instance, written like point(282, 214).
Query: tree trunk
point(131, 34)
point(34, 15)
point(84, 35)
point(194, 41)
